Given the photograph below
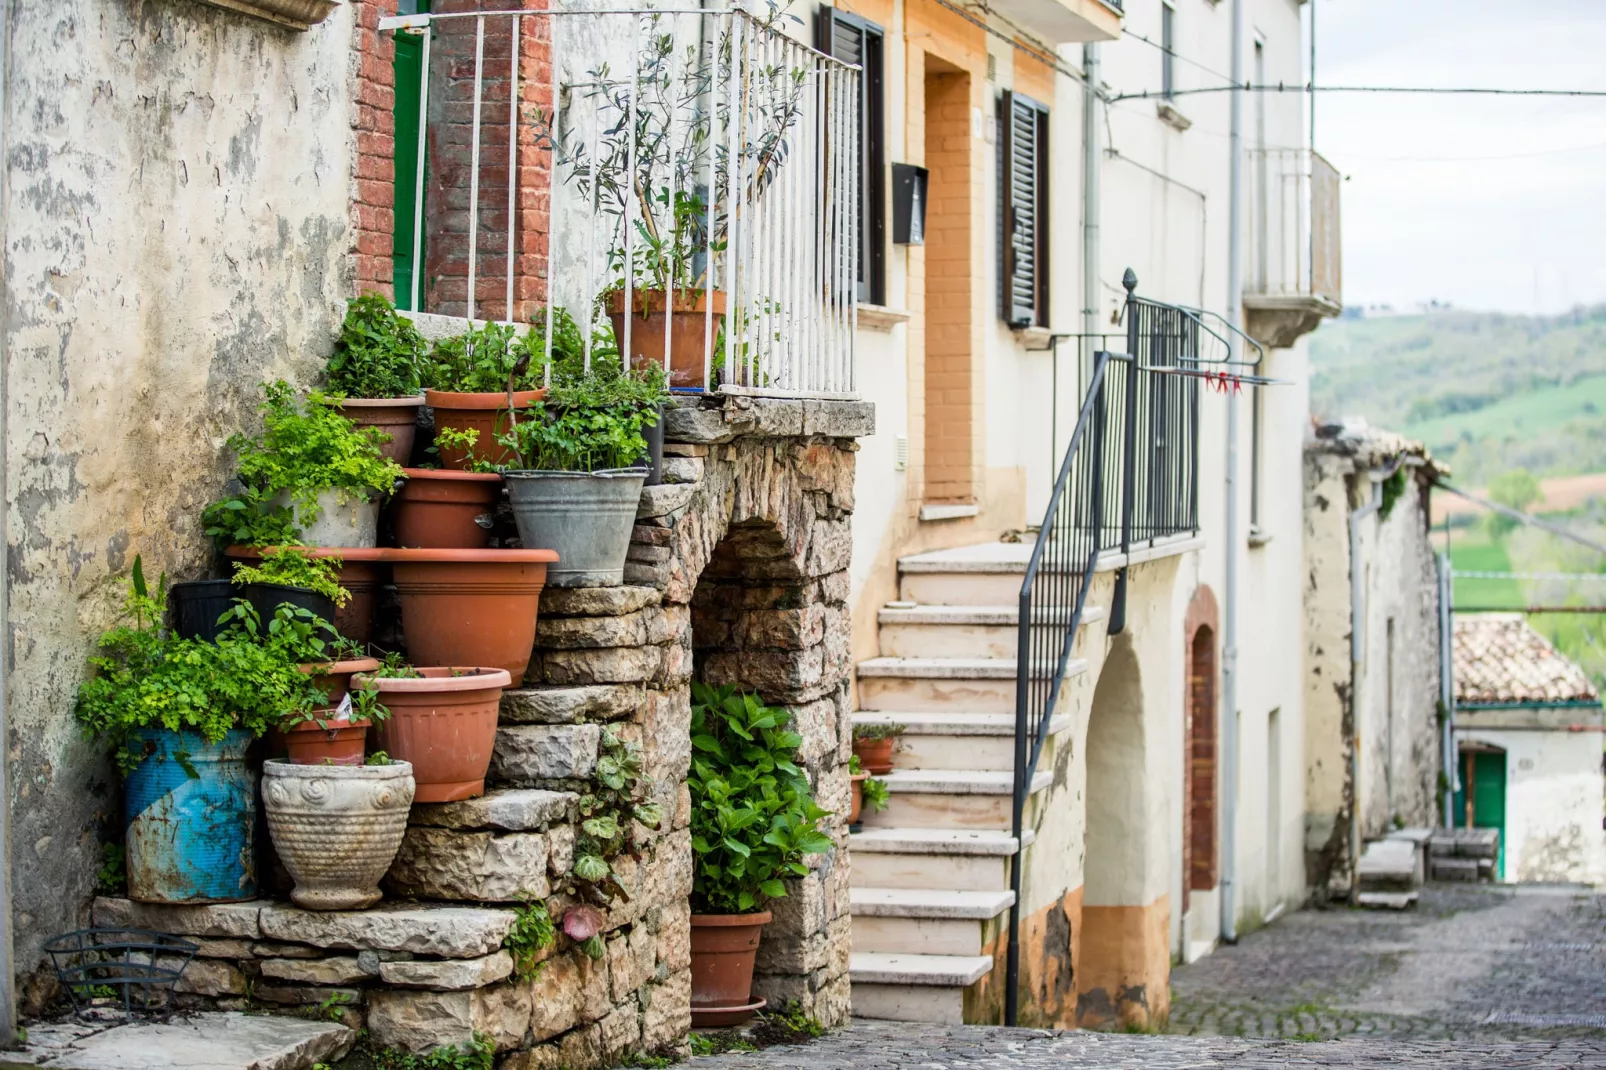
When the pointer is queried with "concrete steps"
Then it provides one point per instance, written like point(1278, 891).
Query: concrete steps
point(931, 873)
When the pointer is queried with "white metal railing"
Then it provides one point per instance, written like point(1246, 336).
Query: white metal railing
point(693, 152)
point(1293, 222)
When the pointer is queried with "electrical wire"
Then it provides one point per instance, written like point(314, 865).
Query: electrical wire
point(1046, 59)
point(1282, 87)
point(1226, 79)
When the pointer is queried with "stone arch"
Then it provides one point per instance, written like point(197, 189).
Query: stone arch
point(1199, 777)
point(1124, 962)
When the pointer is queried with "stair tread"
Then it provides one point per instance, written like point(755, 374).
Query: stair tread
point(948, 971)
point(961, 781)
point(953, 668)
point(944, 723)
point(938, 903)
point(979, 557)
point(937, 841)
point(1004, 616)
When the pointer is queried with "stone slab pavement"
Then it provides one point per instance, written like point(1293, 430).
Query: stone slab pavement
point(227, 1041)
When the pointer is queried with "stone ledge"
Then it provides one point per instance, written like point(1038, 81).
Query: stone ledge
point(570, 705)
point(515, 810)
point(455, 932)
point(475, 867)
point(527, 753)
point(596, 601)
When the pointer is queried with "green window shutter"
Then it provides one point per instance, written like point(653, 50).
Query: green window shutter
point(409, 78)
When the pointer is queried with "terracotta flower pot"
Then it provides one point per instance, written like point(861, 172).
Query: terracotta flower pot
point(689, 335)
point(444, 723)
point(875, 755)
point(856, 782)
point(396, 417)
point(723, 947)
point(336, 828)
point(443, 508)
point(470, 607)
point(341, 743)
point(485, 413)
point(334, 677)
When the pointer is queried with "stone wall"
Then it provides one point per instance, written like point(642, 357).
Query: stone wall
point(737, 575)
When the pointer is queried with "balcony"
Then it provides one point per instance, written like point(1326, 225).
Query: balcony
point(1294, 268)
point(557, 164)
point(1065, 21)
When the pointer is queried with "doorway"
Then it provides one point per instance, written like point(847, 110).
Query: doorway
point(949, 385)
point(1480, 794)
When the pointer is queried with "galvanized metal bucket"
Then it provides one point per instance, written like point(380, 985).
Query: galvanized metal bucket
point(190, 818)
point(585, 516)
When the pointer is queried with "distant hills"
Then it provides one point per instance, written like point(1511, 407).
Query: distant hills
point(1488, 392)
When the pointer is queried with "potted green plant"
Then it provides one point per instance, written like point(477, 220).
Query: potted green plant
point(869, 793)
point(178, 715)
point(309, 470)
point(374, 373)
point(872, 745)
point(753, 822)
point(479, 381)
point(580, 476)
point(442, 720)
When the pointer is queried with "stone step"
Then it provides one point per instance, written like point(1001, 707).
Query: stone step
point(937, 631)
point(987, 574)
point(951, 798)
point(968, 685)
point(201, 1041)
point(1453, 869)
point(542, 753)
point(914, 988)
point(964, 859)
point(1386, 900)
point(926, 921)
point(569, 705)
point(507, 809)
point(1389, 866)
point(954, 740)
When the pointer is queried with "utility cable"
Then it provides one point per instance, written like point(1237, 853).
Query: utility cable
point(1283, 87)
point(1518, 515)
point(1226, 79)
point(1046, 59)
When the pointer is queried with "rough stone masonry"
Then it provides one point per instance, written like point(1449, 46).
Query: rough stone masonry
point(737, 574)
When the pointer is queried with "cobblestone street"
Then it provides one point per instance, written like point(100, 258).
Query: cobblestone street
point(1473, 977)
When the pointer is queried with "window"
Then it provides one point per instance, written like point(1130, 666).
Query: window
point(1023, 210)
point(853, 40)
point(1257, 448)
point(1168, 51)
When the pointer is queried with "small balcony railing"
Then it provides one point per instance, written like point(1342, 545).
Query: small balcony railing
point(588, 164)
point(1294, 248)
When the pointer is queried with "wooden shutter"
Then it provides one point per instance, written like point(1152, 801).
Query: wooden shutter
point(854, 40)
point(1023, 210)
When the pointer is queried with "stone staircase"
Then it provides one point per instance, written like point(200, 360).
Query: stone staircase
point(931, 873)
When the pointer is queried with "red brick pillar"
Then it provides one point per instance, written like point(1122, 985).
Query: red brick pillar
point(373, 219)
point(449, 187)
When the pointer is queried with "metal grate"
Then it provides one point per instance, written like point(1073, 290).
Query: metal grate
point(132, 970)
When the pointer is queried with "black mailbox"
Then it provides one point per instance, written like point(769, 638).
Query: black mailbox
point(908, 204)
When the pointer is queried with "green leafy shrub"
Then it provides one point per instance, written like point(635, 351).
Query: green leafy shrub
point(753, 815)
point(145, 679)
point(590, 421)
point(112, 878)
point(249, 519)
point(308, 449)
point(294, 567)
point(378, 353)
point(487, 359)
point(875, 795)
point(531, 934)
point(616, 802)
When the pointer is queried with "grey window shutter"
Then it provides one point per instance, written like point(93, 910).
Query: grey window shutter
point(1023, 131)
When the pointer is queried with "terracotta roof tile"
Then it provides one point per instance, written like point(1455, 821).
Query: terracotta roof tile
point(1500, 659)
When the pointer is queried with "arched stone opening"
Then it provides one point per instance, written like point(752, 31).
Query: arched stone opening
point(1124, 956)
point(1199, 778)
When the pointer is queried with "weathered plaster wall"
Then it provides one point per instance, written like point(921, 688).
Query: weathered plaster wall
point(179, 179)
point(1327, 673)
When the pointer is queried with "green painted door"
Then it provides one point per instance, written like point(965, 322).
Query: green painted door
point(1485, 772)
point(409, 77)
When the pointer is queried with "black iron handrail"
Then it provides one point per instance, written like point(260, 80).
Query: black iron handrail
point(1129, 474)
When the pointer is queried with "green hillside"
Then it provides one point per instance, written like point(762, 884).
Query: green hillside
point(1488, 392)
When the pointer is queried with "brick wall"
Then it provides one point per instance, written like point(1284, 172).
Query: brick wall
point(948, 269)
point(373, 220)
point(1199, 846)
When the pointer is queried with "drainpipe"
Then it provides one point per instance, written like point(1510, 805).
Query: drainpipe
point(1229, 616)
point(1090, 207)
point(8, 1005)
point(1357, 646)
point(1446, 692)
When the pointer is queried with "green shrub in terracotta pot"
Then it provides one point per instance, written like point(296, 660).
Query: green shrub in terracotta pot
point(375, 372)
point(753, 822)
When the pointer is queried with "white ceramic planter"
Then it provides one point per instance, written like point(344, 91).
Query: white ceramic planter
point(336, 828)
point(345, 518)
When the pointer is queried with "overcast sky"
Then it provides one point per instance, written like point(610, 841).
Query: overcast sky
point(1488, 203)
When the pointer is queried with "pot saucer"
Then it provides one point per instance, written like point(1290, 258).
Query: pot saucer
point(722, 1017)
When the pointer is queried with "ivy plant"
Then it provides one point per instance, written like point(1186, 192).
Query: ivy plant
point(144, 678)
point(590, 421)
point(378, 354)
point(753, 814)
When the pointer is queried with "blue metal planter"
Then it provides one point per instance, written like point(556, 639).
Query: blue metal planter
point(190, 839)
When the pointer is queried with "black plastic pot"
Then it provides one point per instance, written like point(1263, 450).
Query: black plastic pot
point(654, 461)
point(265, 598)
point(197, 605)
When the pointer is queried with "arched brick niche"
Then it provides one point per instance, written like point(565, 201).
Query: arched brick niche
point(1200, 631)
point(737, 575)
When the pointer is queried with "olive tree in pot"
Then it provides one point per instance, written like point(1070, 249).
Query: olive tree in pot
point(311, 474)
point(582, 470)
point(374, 373)
point(753, 821)
point(178, 715)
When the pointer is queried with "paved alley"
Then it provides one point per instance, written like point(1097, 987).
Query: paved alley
point(1474, 977)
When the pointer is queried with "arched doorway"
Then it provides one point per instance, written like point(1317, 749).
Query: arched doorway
point(1199, 777)
point(1124, 967)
